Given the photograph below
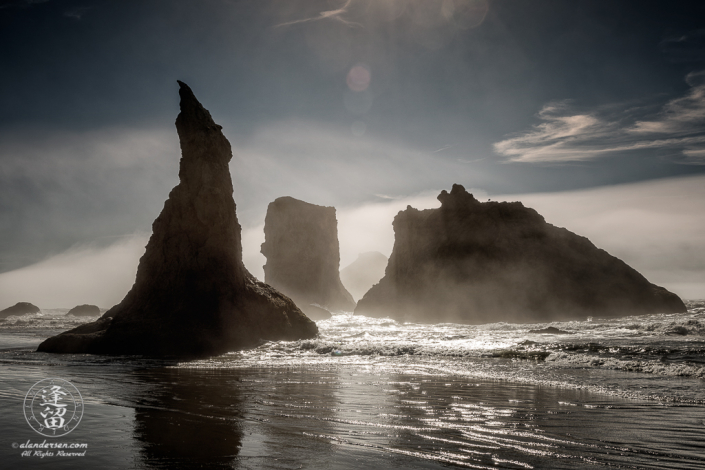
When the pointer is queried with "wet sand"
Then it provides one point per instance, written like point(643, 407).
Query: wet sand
point(152, 415)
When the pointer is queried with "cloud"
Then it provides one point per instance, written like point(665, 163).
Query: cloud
point(681, 116)
point(368, 227)
point(361, 228)
point(81, 275)
point(561, 137)
point(77, 13)
point(566, 135)
point(656, 226)
point(62, 188)
point(688, 47)
point(103, 275)
point(431, 23)
point(337, 15)
point(49, 154)
point(329, 166)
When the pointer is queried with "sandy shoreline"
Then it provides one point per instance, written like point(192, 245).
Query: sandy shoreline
point(151, 416)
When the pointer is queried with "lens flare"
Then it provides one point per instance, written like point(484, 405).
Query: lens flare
point(358, 78)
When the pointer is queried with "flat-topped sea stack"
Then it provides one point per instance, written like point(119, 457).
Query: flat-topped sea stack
point(20, 308)
point(472, 262)
point(192, 296)
point(303, 255)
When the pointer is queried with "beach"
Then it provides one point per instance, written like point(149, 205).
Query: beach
point(371, 393)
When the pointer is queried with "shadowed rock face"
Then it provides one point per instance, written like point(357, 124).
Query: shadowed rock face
point(20, 308)
point(192, 295)
point(472, 262)
point(303, 254)
point(84, 311)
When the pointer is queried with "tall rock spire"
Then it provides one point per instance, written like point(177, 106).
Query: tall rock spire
point(192, 295)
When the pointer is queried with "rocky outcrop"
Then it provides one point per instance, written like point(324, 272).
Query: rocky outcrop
point(303, 254)
point(20, 308)
point(84, 311)
point(192, 296)
point(363, 273)
point(551, 330)
point(315, 312)
point(472, 262)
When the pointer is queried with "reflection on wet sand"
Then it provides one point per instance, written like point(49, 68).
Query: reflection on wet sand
point(153, 414)
point(413, 421)
point(286, 408)
point(189, 419)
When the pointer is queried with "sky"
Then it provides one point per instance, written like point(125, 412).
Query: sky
point(592, 112)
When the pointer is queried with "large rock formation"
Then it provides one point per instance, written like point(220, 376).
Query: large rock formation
point(20, 308)
point(192, 295)
point(84, 311)
point(472, 262)
point(303, 254)
point(363, 273)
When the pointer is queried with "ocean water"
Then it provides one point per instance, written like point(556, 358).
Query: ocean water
point(375, 393)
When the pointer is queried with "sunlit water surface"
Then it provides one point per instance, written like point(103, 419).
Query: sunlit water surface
point(374, 393)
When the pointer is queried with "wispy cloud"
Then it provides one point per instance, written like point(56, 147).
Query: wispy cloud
point(686, 47)
point(567, 135)
point(76, 13)
point(337, 15)
point(681, 116)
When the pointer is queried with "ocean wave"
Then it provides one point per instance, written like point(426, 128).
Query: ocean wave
point(55, 319)
point(682, 327)
point(680, 369)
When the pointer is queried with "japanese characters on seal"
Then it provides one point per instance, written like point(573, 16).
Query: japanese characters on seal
point(53, 407)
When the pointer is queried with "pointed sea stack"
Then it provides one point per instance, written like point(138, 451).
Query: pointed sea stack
point(472, 262)
point(192, 296)
point(303, 255)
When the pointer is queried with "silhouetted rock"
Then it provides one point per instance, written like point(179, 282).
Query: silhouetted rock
point(363, 273)
point(315, 312)
point(551, 330)
point(192, 295)
point(84, 311)
point(679, 330)
point(20, 308)
point(303, 254)
point(473, 262)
